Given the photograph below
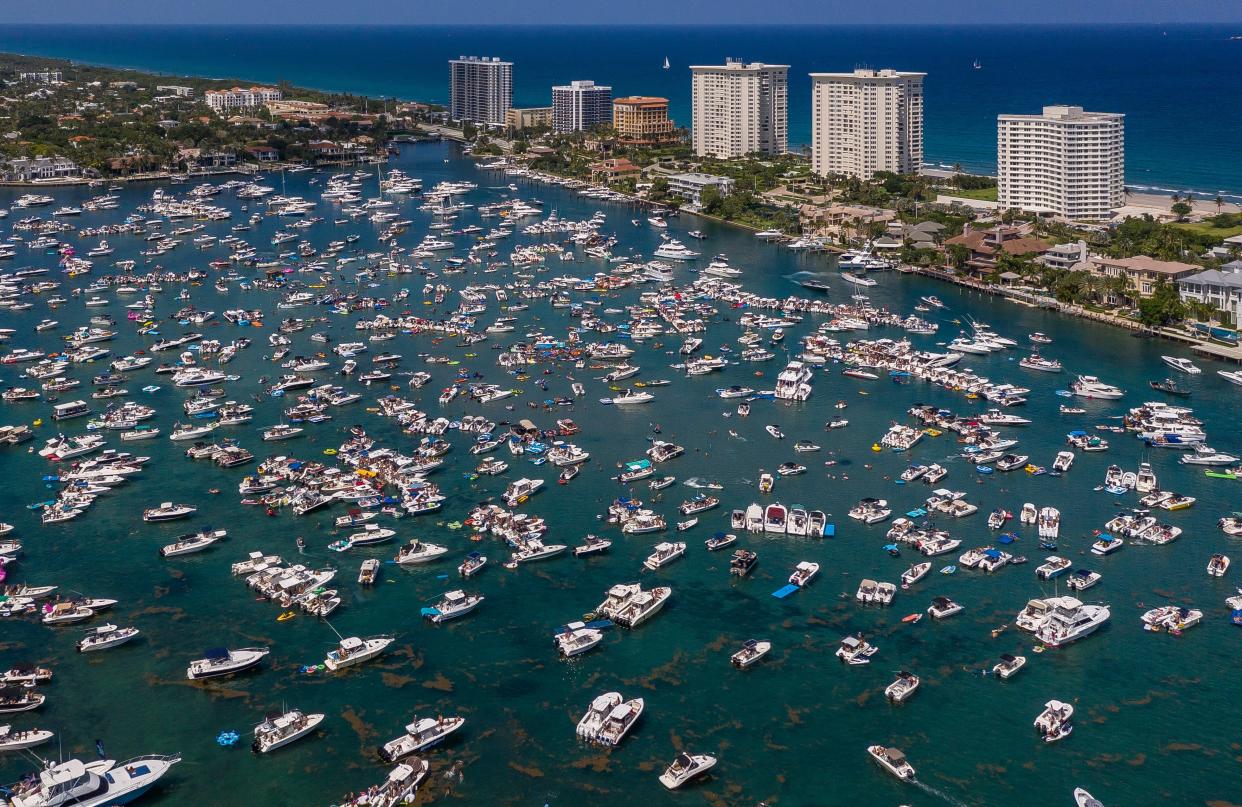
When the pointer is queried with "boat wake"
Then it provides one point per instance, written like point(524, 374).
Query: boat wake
point(940, 794)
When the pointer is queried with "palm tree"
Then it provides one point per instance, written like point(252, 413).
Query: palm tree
point(1220, 202)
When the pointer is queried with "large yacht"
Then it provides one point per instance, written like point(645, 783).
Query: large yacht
point(1088, 386)
point(98, 783)
point(1070, 621)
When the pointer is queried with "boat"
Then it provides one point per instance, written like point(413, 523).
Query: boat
point(592, 546)
point(368, 573)
point(472, 565)
point(686, 767)
point(104, 637)
point(397, 788)
point(452, 605)
point(1181, 365)
point(943, 607)
point(193, 542)
point(893, 761)
point(804, 573)
point(1170, 387)
point(220, 661)
point(1053, 723)
point(417, 551)
point(1008, 665)
point(743, 562)
point(601, 707)
point(13, 740)
point(283, 728)
point(855, 650)
point(1088, 386)
point(354, 650)
point(1083, 579)
point(719, 541)
point(618, 722)
point(665, 553)
point(1084, 799)
point(902, 688)
point(98, 783)
point(750, 652)
point(915, 573)
point(1071, 620)
point(1217, 565)
point(168, 512)
point(421, 733)
point(577, 638)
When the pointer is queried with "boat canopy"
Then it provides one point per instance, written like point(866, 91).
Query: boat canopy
point(216, 653)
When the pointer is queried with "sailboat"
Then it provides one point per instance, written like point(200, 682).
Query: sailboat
point(666, 63)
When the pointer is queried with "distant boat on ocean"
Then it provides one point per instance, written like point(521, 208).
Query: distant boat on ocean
point(977, 66)
point(666, 63)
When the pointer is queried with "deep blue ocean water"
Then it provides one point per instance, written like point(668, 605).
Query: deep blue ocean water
point(1176, 85)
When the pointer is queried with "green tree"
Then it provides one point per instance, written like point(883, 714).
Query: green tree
point(958, 255)
point(1181, 210)
point(1163, 307)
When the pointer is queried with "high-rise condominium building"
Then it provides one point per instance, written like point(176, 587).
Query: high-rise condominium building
point(643, 119)
point(866, 121)
point(1065, 161)
point(740, 109)
point(480, 89)
point(579, 105)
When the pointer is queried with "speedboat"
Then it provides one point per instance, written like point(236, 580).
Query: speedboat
point(893, 761)
point(168, 512)
point(752, 651)
point(99, 783)
point(617, 723)
point(1181, 365)
point(943, 607)
point(421, 733)
point(855, 650)
point(221, 661)
point(417, 551)
point(279, 730)
point(1053, 722)
point(194, 542)
point(665, 553)
point(104, 637)
point(804, 573)
point(11, 740)
point(593, 545)
point(355, 650)
point(1008, 665)
point(1088, 386)
point(452, 605)
point(599, 710)
point(686, 767)
point(902, 688)
point(577, 638)
point(915, 573)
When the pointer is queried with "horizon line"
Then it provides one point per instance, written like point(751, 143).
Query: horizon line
point(782, 24)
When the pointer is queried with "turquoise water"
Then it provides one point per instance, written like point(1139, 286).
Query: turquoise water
point(1156, 716)
point(1170, 81)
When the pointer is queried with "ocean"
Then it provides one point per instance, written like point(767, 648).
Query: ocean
point(1172, 82)
point(1156, 715)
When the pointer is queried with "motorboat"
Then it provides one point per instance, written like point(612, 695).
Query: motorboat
point(354, 650)
point(686, 767)
point(220, 661)
point(452, 605)
point(1107, 544)
point(1054, 722)
point(1083, 579)
point(855, 650)
point(915, 573)
point(577, 638)
point(1084, 799)
point(1070, 621)
point(104, 637)
point(750, 652)
point(943, 607)
point(804, 573)
point(743, 562)
point(902, 688)
point(1217, 565)
point(168, 512)
point(1181, 365)
point(417, 551)
point(13, 740)
point(1172, 618)
point(618, 722)
point(280, 729)
point(593, 545)
point(99, 783)
point(472, 565)
point(1088, 386)
point(421, 733)
point(593, 720)
point(1008, 665)
point(397, 788)
point(193, 542)
point(893, 761)
point(665, 553)
point(719, 541)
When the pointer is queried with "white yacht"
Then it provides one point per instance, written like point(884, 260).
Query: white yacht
point(417, 551)
point(665, 553)
point(355, 650)
point(452, 605)
point(100, 783)
point(422, 732)
point(1070, 621)
point(893, 761)
point(222, 661)
point(1181, 365)
point(279, 730)
point(1088, 386)
point(686, 767)
point(104, 637)
point(168, 512)
point(672, 249)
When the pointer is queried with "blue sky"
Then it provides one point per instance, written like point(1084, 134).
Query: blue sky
point(415, 12)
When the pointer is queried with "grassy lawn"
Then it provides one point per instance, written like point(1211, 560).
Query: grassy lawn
point(1204, 228)
point(984, 194)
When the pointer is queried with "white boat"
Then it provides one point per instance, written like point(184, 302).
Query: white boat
point(422, 732)
point(356, 650)
point(417, 551)
point(279, 730)
point(902, 688)
point(168, 512)
point(630, 397)
point(576, 639)
point(99, 783)
point(1054, 722)
point(222, 661)
point(397, 788)
point(11, 740)
point(195, 542)
point(855, 651)
point(1084, 799)
point(665, 553)
point(1008, 665)
point(1218, 565)
point(686, 767)
point(1181, 365)
point(104, 637)
point(804, 573)
point(452, 605)
point(1088, 386)
point(750, 652)
point(618, 722)
point(943, 607)
point(915, 573)
point(893, 761)
point(1070, 621)
point(591, 722)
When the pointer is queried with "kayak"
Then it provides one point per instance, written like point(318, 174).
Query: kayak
point(911, 618)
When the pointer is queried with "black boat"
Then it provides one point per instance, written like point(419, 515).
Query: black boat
point(815, 284)
point(1170, 387)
